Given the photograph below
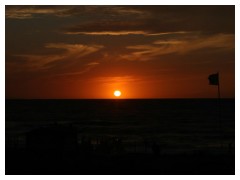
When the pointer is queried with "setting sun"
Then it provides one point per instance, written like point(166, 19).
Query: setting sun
point(117, 93)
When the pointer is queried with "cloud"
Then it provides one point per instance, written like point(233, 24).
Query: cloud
point(106, 11)
point(72, 54)
point(124, 20)
point(106, 28)
point(111, 27)
point(77, 50)
point(155, 20)
point(181, 46)
point(113, 33)
point(92, 64)
point(27, 12)
point(117, 79)
point(84, 69)
point(124, 32)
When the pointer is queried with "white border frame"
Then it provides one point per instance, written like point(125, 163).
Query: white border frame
point(111, 2)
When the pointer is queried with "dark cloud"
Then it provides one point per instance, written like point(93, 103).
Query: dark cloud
point(24, 12)
point(159, 19)
point(105, 27)
point(150, 19)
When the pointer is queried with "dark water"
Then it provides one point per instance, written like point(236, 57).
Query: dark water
point(176, 124)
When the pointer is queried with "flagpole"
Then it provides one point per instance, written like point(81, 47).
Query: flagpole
point(218, 87)
point(214, 80)
point(219, 112)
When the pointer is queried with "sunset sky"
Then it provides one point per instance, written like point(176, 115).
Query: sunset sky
point(143, 51)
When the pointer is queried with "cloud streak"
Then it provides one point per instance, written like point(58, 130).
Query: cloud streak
point(85, 69)
point(154, 20)
point(113, 33)
point(125, 20)
point(72, 54)
point(180, 46)
point(27, 12)
point(117, 79)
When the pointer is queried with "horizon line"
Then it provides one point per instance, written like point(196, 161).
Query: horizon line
point(110, 98)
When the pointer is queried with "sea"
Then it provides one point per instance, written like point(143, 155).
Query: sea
point(176, 125)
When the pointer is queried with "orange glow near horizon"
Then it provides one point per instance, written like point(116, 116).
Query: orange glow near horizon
point(93, 54)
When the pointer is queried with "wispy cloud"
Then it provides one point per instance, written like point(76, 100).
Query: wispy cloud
point(76, 50)
point(122, 32)
point(117, 79)
point(92, 64)
point(113, 20)
point(72, 54)
point(113, 33)
point(155, 20)
point(85, 69)
point(111, 27)
point(160, 47)
point(26, 12)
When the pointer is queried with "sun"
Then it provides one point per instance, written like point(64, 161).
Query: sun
point(117, 93)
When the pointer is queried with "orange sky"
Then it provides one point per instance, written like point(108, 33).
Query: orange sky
point(143, 51)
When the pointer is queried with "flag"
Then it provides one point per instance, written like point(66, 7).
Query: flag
point(213, 79)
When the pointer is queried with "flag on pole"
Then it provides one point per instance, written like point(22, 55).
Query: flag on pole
point(213, 79)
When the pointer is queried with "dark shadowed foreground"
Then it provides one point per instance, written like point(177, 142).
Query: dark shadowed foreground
point(120, 137)
point(135, 163)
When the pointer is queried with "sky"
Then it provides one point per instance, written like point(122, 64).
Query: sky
point(143, 51)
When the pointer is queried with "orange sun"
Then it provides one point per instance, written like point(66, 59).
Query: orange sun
point(117, 93)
